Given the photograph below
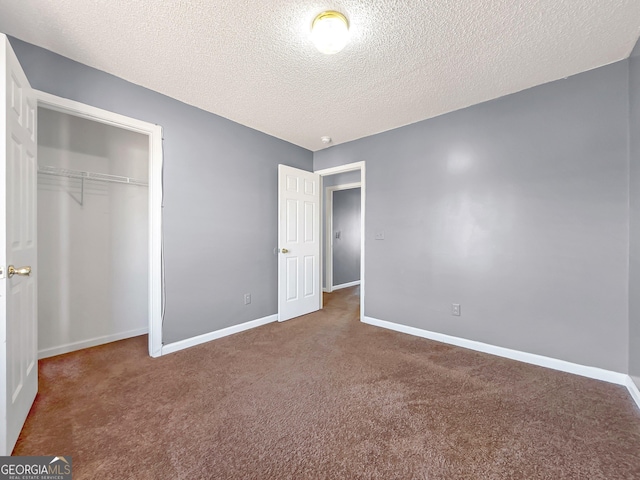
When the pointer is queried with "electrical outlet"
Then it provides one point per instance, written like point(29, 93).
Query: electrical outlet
point(247, 298)
point(455, 309)
point(379, 235)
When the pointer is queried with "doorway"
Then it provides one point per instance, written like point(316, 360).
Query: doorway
point(342, 241)
point(351, 175)
point(135, 184)
point(291, 218)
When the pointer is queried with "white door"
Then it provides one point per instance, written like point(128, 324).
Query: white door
point(298, 242)
point(18, 307)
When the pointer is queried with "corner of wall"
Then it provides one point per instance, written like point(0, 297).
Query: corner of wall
point(635, 52)
point(634, 214)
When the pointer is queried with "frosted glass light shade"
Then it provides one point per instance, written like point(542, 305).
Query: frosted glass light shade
point(330, 32)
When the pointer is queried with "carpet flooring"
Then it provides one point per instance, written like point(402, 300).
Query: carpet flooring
point(326, 397)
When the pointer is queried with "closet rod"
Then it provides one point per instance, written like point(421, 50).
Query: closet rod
point(100, 177)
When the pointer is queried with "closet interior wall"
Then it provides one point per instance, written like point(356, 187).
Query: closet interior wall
point(93, 235)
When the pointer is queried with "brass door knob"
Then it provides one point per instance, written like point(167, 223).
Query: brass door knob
point(24, 271)
point(284, 250)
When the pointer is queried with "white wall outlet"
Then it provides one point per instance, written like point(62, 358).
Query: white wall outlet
point(379, 235)
point(247, 298)
point(455, 309)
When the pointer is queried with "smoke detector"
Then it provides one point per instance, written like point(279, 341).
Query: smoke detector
point(326, 140)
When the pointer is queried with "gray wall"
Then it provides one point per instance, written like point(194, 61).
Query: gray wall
point(634, 215)
point(517, 209)
point(220, 190)
point(346, 248)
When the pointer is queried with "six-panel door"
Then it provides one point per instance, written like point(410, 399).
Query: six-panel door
point(18, 294)
point(299, 242)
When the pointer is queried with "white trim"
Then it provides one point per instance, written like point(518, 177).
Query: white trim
point(328, 211)
point(363, 195)
point(345, 186)
point(92, 342)
point(156, 267)
point(532, 358)
point(207, 337)
point(321, 260)
point(346, 285)
point(71, 107)
point(633, 390)
point(78, 109)
point(349, 167)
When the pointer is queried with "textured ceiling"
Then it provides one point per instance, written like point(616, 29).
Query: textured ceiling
point(252, 62)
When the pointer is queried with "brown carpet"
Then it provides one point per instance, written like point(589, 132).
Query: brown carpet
point(325, 396)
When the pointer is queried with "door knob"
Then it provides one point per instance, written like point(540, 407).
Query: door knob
point(284, 250)
point(11, 271)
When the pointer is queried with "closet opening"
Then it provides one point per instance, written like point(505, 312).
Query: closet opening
point(94, 232)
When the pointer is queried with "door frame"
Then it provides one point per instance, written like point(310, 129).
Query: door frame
point(328, 238)
point(349, 167)
point(154, 132)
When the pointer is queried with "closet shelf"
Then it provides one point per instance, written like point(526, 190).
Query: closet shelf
point(100, 177)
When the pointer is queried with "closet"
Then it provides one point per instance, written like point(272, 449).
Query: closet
point(93, 237)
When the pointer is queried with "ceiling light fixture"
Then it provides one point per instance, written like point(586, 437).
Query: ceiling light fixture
point(330, 32)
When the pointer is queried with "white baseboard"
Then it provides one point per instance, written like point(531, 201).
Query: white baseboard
point(207, 337)
point(633, 390)
point(326, 290)
point(346, 285)
point(92, 342)
point(532, 358)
